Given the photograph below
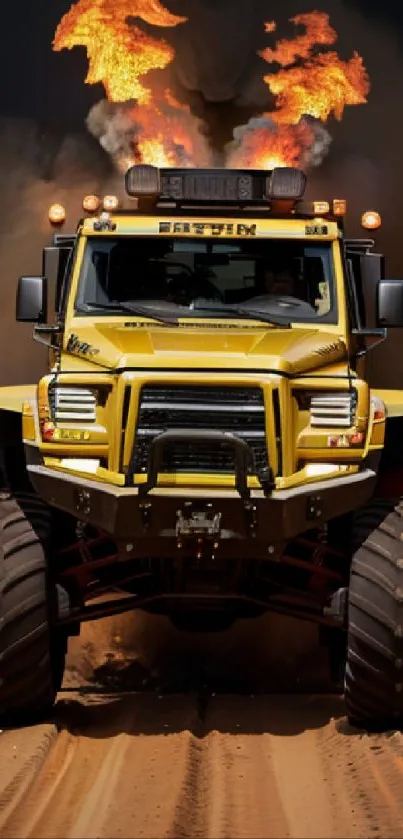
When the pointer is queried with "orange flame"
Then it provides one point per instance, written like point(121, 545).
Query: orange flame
point(318, 31)
point(266, 147)
point(323, 86)
point(309, 84)
point(167, 135)
point(119, 54)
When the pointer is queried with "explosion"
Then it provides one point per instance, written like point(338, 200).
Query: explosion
point(261, 144)
point(310, 87)
point(119, 54)
point(138, 124)
point(164, 134)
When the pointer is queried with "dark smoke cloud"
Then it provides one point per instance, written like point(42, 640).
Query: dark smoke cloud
point(389, 11)
point(36, 172)
point(216, 49)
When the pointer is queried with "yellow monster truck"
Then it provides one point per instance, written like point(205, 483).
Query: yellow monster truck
point(207, 442)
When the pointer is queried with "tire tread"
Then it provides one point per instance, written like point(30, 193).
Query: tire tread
point(27, 654)
point(374, 671)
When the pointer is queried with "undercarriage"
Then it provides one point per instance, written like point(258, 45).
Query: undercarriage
point(199, 588)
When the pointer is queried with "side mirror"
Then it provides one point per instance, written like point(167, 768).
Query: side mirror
point(389, 303)
point(31, 304)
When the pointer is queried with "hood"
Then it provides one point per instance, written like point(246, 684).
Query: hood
point(117, 345)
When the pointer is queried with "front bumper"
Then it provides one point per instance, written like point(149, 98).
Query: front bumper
point(253, 525)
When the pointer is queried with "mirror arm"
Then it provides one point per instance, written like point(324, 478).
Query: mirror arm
point(48, 330)
point(369, 338)
point(44, 335)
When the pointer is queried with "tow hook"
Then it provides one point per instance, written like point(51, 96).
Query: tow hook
point(198, 520)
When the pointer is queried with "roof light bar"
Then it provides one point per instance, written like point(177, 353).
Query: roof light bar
point(216, 185)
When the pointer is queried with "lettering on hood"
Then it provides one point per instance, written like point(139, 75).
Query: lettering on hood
point(78, 347)
point(329, 348)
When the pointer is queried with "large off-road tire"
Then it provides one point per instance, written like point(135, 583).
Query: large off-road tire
point(31, 661)
point(374, 668)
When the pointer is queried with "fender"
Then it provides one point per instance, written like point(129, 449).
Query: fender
point(13, 398)
point(393, 400)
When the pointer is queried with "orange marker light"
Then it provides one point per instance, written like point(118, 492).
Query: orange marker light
point(110, 202)
point(320, 207)
point(57, 214)
point(339, 207)
point(371, 220)
point(91, 203)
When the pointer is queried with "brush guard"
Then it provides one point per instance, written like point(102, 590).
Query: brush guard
point(202, 520)
point(243, 458)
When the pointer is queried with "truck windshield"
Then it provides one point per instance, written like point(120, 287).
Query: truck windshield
point(209, 278)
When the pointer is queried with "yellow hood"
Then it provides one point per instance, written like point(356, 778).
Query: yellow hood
point(120, 345)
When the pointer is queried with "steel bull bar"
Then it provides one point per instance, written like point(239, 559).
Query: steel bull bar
point(158, 520)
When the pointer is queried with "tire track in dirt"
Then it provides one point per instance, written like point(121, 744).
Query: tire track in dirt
point(19, 765)
point(197, 764)
point(269, 766)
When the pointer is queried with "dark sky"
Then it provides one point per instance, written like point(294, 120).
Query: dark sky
point(41, 85)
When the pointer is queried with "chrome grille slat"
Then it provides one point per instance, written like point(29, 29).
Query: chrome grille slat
point(333, 410)
point(172, 406)
point(72, 404)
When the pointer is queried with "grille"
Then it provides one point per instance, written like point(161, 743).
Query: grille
point(333, 410)
point(236, 410)
point(72, 403)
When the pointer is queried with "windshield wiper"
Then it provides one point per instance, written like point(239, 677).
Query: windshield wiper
point(126, 306)
point(145, 311)
point(251, 314)
point(257, 314)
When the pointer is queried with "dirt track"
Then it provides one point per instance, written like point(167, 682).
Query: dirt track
point(193, 764)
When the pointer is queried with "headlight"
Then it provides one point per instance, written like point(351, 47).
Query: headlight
point(72, 404)
point(333, 410)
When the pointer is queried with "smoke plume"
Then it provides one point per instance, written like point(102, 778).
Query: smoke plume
point(36, 172)
point(169, 133)
point(262, 143)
